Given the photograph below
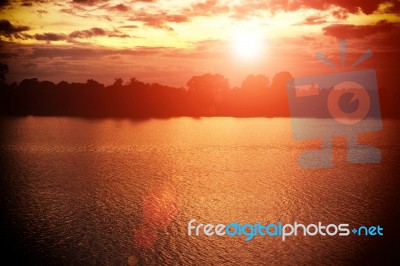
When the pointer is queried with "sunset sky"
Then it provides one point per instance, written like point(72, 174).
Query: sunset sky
point(169, 41)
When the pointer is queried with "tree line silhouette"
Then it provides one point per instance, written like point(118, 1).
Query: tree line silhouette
point(205, 95)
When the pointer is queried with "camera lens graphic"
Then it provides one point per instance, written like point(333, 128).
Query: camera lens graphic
point(359, 97)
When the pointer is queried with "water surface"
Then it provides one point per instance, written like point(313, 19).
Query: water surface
point(78, 192)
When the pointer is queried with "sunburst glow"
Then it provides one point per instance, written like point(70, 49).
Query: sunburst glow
point(247, 44)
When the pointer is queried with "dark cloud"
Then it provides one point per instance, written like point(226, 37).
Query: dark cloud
point(353, 6)
point(350, 31)
point(89, 2)
point(124, 6)
point(104, 4)
point(88, 33)
point(7, 55)
point(10, 31)
point(343, 7)
point(118, 34)
point(48, 36)
point(32, 2)
point(94, 32)
point(4, 3)
point(82, 34)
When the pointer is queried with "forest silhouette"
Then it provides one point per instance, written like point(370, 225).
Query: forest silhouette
point(205, 95)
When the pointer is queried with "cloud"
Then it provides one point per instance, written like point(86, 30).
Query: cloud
point(8, 30)
point(205, 6)
point(90, 53)
point(40, 11)
point(88, 33)
point(340, 14)
point(94, 32)
point(209, 44)
point(29, 65)
point(4, 3)
point(119, 7)
point(88, 2)
point(251, 8)
point(209, 7)
point(74, 11)
point(350, 31)
point(159, 20)
point(7, 55)
point(48, 36)
point(15, 32)
point(82, 34)
point(128, 27)
point(32, 2)
point(342, 7)
point(313, 20)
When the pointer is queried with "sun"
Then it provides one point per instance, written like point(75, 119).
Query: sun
point(247, 44)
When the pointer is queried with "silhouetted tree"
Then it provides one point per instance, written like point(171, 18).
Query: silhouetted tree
point(118, 82)
point(258, 82)
point(91, 83)
point(47, 85)
point(3, 72)
point(29, 84)
point(208, 84)
point(132, 81)
point(207, 95)
point(63, 84)
point(279, 105)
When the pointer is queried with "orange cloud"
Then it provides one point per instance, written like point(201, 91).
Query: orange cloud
point(360, 31)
